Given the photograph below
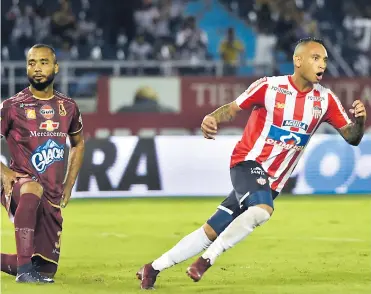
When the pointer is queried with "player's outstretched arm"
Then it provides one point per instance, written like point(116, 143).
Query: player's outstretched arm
point(224, 113)
point(354, 131)
point(75, 159)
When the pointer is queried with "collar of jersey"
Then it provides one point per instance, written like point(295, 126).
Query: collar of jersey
point(300, 92)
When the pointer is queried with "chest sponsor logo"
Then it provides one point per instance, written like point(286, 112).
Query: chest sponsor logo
point(280, 105)
point(30, 113)
point(47, 111)
point(49, 125)
point(282, 90)
point(62, 110)
point(317, 112)
point(46, 154)
point(315, 98)
point(23, 105)
point(286, 139)
point(295, 124)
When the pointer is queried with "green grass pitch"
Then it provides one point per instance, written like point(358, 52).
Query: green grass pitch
point(311, 245)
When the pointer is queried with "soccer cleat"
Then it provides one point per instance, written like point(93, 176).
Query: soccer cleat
point(28, 274)
point(198, 268)
point(147, 274)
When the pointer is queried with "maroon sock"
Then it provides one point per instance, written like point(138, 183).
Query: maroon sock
point(9, 263)
point(24, 223)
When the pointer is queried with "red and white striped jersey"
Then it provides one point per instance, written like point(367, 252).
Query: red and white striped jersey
point(282, 121)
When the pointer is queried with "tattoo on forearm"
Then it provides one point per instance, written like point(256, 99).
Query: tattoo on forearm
point(223, 114)
point(353, 133)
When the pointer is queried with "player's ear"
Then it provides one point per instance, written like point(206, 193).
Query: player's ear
point(56, 68)
point(297, 60)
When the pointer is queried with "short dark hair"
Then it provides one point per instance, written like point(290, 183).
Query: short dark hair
point(46, 46)
point(310, 39)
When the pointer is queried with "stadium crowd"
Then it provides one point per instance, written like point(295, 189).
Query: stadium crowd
point(160, 30)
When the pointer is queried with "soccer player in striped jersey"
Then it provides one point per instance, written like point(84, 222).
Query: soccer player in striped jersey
point(286, 111)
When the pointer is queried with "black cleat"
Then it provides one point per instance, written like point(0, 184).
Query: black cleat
point(28, 274)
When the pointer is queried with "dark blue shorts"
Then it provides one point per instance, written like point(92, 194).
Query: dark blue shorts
point(247, 178)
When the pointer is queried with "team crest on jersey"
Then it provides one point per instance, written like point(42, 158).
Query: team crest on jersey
point(317, 112)
point(46, 154)
point(49, 125)
point(62, 110)
point(30, 113)
point(261, 181)
point(47, 111)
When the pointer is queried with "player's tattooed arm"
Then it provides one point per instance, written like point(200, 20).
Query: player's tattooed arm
point(75, 160)
point(226, 112)
point(353, 132)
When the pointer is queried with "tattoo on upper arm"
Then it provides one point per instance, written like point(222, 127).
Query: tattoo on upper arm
point(353, 133)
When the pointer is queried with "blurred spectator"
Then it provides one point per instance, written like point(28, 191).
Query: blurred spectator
point(63, 23)
point(191, 41)
point(22, 30)
point(231, 52)
point(145, 100)
point(146, 16)
point(41, 25)
point(140, 49)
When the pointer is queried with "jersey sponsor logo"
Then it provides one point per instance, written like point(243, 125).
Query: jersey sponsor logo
point(315, 98)
point(282, 90)
point(286, 139)
point(317, 112)
point(49, 125)
point(30, 113)
point(46, 154)
point(280, 105)
point(22, 105)
point(47, 134)
point(295, 124)
point(47, 111)
point(257, 171)
point(62, 110)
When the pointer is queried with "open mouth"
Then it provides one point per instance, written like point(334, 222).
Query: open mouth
point(319, 75)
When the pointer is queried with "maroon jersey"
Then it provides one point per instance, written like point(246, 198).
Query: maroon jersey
point(36, 131)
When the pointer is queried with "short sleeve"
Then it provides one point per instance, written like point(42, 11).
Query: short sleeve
point(76, 122)
point(254, 95)
point(5, 119)
point(336, 115)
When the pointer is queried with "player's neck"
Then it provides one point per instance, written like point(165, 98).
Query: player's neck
point(301, 84)
point(46, 94)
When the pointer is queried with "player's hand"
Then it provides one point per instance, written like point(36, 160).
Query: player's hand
point(209, 127)
point(359, 111)
point(67, 191)
point(9, 178)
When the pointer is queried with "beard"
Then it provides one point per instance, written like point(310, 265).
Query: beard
point(39, 86)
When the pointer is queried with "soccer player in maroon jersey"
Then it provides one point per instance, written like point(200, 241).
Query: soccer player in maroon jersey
point(286, 111)
point(36, 123)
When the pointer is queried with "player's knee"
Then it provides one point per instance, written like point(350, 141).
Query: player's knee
point(32, 187)
point(258, 215)
point(220, 220)
point(210, 232)
point(266, 207)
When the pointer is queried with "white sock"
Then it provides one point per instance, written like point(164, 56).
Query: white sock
point(189, 246)
point(238, 230)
